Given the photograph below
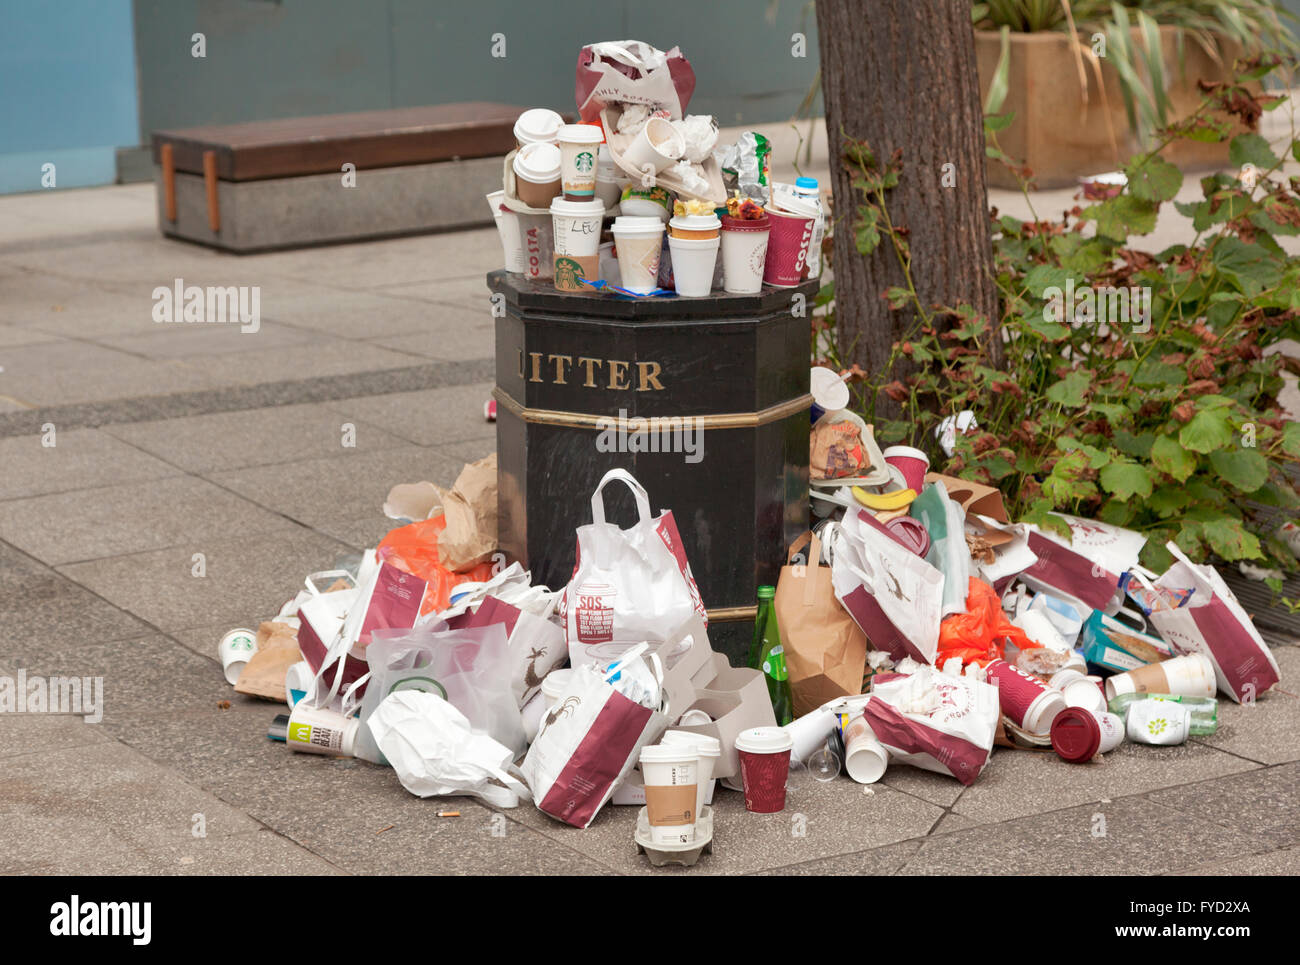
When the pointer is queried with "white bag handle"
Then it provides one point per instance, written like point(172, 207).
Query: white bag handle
point(337, 574)
point(625, 477)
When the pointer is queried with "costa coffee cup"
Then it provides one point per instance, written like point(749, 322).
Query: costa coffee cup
point(316, 730)
point(865, 758)
point(537, 174)
point(656, 146)
point(236, 649)
point(638, 243)
point(787, 254)
point(553, 685)
point(693, 260)
point(744, 254)
point(579, 149)
point(708, 750)
point(1029, 702)
point(537, 238)
point(912, 463)
point(671, 775)
point(537, 126)
point(764, 767)
point(507, 223)
point(576, 226)
point(1188, 676)
point(1079, 735)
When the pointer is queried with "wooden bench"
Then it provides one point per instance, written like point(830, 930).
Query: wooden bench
point(338, 177)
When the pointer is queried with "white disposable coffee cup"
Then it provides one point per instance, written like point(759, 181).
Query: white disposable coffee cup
point(609, 183)
point(671, 775)
point(579, 148)
point(317, 730)
point(537, 238)
point(1043, 710)
point(298, 678)
point(865, 759)
point(1085, 694)
point(638, 242)
point(1160, 722)
point(656, 146)
point(537, 126)
point(693, 260)
point(708, 750)
point(554, 683)
point(828, 390)
point(537, 174)
point(1064, 677)
point(1188, 676)
point(576, 227)
point(507, 223)
point(236, 649)
point(744, 254)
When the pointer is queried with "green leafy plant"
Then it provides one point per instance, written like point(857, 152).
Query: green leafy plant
point(1134, 387)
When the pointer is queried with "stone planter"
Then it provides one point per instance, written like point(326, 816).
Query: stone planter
point(1059, 135)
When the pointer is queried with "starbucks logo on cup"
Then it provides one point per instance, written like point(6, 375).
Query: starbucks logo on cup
point(585, 162)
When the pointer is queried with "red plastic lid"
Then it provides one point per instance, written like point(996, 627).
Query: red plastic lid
point(1076, 735)
point(742, 224)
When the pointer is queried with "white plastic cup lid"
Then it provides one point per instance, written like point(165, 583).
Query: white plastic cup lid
point(578, 209)
point(635, 224)
point(580, 134)
point(791, 203)
point(828, 389)
point(906, 451)
point(669, 753)
point(536, 125)
point(704, 745)
point(764, 740)
point(695, 222)
point(553, 683)
point(538, 163)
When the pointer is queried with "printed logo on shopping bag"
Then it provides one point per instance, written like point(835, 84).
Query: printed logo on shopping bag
point(594, 613)
point(666, 528)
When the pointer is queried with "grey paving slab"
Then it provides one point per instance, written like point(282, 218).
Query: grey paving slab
point(1140, 837)
point(359, 533)
point(78, 459)
point(9, 405)
point(432, 417)
point(459, 335)
point(42, 608)
point(40, 843)
point(248, 578)
point(182, 511)
point(11, 335)
point(1261, 804)
point(146, 674)
point(24, 734)
point(58, 373)
point(347, 313)
point(437, 257)
point(257, 437)
point(820, 820)
point(1265, 731)
point(926, 785)
point(470, 292)
point(263, 852)
point(319, 490)
point(56, 306)
point(1024, 782)
point(194, 340)
point(1272, 863)
point(136, 259)
point(321, 357)
point(878, 862)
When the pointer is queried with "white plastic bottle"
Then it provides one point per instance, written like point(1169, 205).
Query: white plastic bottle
point(807, 188)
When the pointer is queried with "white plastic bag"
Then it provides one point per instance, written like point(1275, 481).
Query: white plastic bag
point(434, 752)
point(630, 585)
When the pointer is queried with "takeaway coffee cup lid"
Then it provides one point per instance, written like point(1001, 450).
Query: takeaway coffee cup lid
point(580, 134)
point(539, 163)
point(764, 740)
point(578, 209)
point(1076, 735)
point(636, 224)
point(537, 126)
point(668, 753)
point(704, 745)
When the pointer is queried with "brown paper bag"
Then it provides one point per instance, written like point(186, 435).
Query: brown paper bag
point(825, 650)
point(973, 497)
point(471, 510)
point(277, 651)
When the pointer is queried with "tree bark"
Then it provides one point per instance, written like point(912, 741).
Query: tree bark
point(901, 74)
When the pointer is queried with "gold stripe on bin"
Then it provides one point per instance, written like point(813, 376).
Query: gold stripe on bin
point(722, 420)
point(727, 614)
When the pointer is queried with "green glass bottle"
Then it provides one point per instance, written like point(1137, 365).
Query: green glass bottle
point(768, 655)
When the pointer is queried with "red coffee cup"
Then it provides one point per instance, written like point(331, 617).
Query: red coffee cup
point(764, 767)
point(1028, 701)
point(912, 463)
point(1078, 735)
point(787, 249)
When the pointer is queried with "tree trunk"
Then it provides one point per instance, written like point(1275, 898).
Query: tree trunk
point(900, 74)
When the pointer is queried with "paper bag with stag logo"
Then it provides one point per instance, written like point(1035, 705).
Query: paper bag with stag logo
point(536, 644)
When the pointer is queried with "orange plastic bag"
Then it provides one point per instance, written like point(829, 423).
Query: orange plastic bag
point(414, 548)
point(980, 633)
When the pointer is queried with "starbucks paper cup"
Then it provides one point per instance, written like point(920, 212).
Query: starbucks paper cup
point(507, 223)
point(671, 775)
point(537, 126)
point(708, 750)
point(577, 242)
point(693, 260)
point(235, 650)
point(579, 148)
point(637, 241)
point(537, 174)
point(1188, 676)
point(744, 254)
point(655, 147)
point(764, 754)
